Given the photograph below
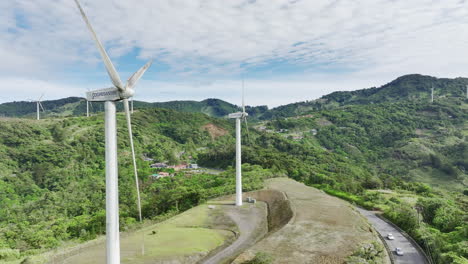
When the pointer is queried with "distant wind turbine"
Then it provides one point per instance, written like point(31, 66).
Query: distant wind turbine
point(110, 96)
point(87, 105)
point(39, 105)
point(239, 116)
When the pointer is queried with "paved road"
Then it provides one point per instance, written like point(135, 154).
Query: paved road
point(411, 254)
point(252, 224)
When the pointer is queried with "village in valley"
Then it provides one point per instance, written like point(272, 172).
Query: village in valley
point(165, 170)
point(162, 169)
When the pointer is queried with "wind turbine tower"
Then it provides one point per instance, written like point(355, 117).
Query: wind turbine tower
point(239, 116)
point(39, 105)
point(87, 107)
point(110, 96)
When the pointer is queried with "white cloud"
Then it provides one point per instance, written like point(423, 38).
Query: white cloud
point(17, 89)
point(371, 41)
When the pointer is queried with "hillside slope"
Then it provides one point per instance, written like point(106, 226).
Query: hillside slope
point(76, 106)
point(413, 87)
point(407, 87)
point(324, 229)
point(52, 184)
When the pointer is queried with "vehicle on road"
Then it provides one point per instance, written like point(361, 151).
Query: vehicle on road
point(390, 236)
point(399, 251)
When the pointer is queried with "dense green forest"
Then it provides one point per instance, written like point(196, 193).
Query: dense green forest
point(52, 170)
point(411, 87)
point(416, 149)
point(76, 106)
point(52, 183)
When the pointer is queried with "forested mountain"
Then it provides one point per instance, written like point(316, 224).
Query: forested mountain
point(52, 183)
point(413, 87)
point(408, 87)
point(61, 107)
point(52, 171)
point(76, 106)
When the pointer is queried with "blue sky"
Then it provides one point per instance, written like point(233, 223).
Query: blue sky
point(286, 50)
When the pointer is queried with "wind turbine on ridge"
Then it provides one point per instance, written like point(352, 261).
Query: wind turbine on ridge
point(239, 116)
point(88, 104)
point(38, 104)
point(110, 96)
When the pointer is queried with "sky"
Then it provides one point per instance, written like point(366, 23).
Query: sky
point(285, 50)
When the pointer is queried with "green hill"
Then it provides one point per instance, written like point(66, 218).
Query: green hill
point(408, 87)
point(52, 170)
point(52, 183)
point(413, 87)
point(76, 106)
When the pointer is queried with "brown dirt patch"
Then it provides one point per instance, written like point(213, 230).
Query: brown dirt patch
point(324, 229)
point(214, 130)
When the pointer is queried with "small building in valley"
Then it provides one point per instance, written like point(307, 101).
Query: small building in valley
point(159, 165)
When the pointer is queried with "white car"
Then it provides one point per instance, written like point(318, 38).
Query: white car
point(399, 251)
point(390, 236)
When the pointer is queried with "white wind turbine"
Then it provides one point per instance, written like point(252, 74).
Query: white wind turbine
point(88, 104)
point(39, 105)
point(110, 96)
point(238, 116)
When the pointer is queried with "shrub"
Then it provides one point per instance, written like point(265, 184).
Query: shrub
point(260, 258)
point(368, 253)
point(9, 254)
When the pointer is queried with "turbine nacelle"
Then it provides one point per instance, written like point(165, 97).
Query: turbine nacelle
point(127, 93)
point(238, 115)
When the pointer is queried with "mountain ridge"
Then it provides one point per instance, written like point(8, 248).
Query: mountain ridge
point(406, 87)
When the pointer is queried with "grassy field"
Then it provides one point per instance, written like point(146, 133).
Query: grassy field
point(185, 238)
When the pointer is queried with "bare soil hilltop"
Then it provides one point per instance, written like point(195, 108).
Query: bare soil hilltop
point(323, 229)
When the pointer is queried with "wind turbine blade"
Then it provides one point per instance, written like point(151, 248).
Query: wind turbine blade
point(129, 126)
point(137, 75)
point(42, 95)
point(114, 76)
point(41, 106)
point(243, 105)
point(247, 130)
